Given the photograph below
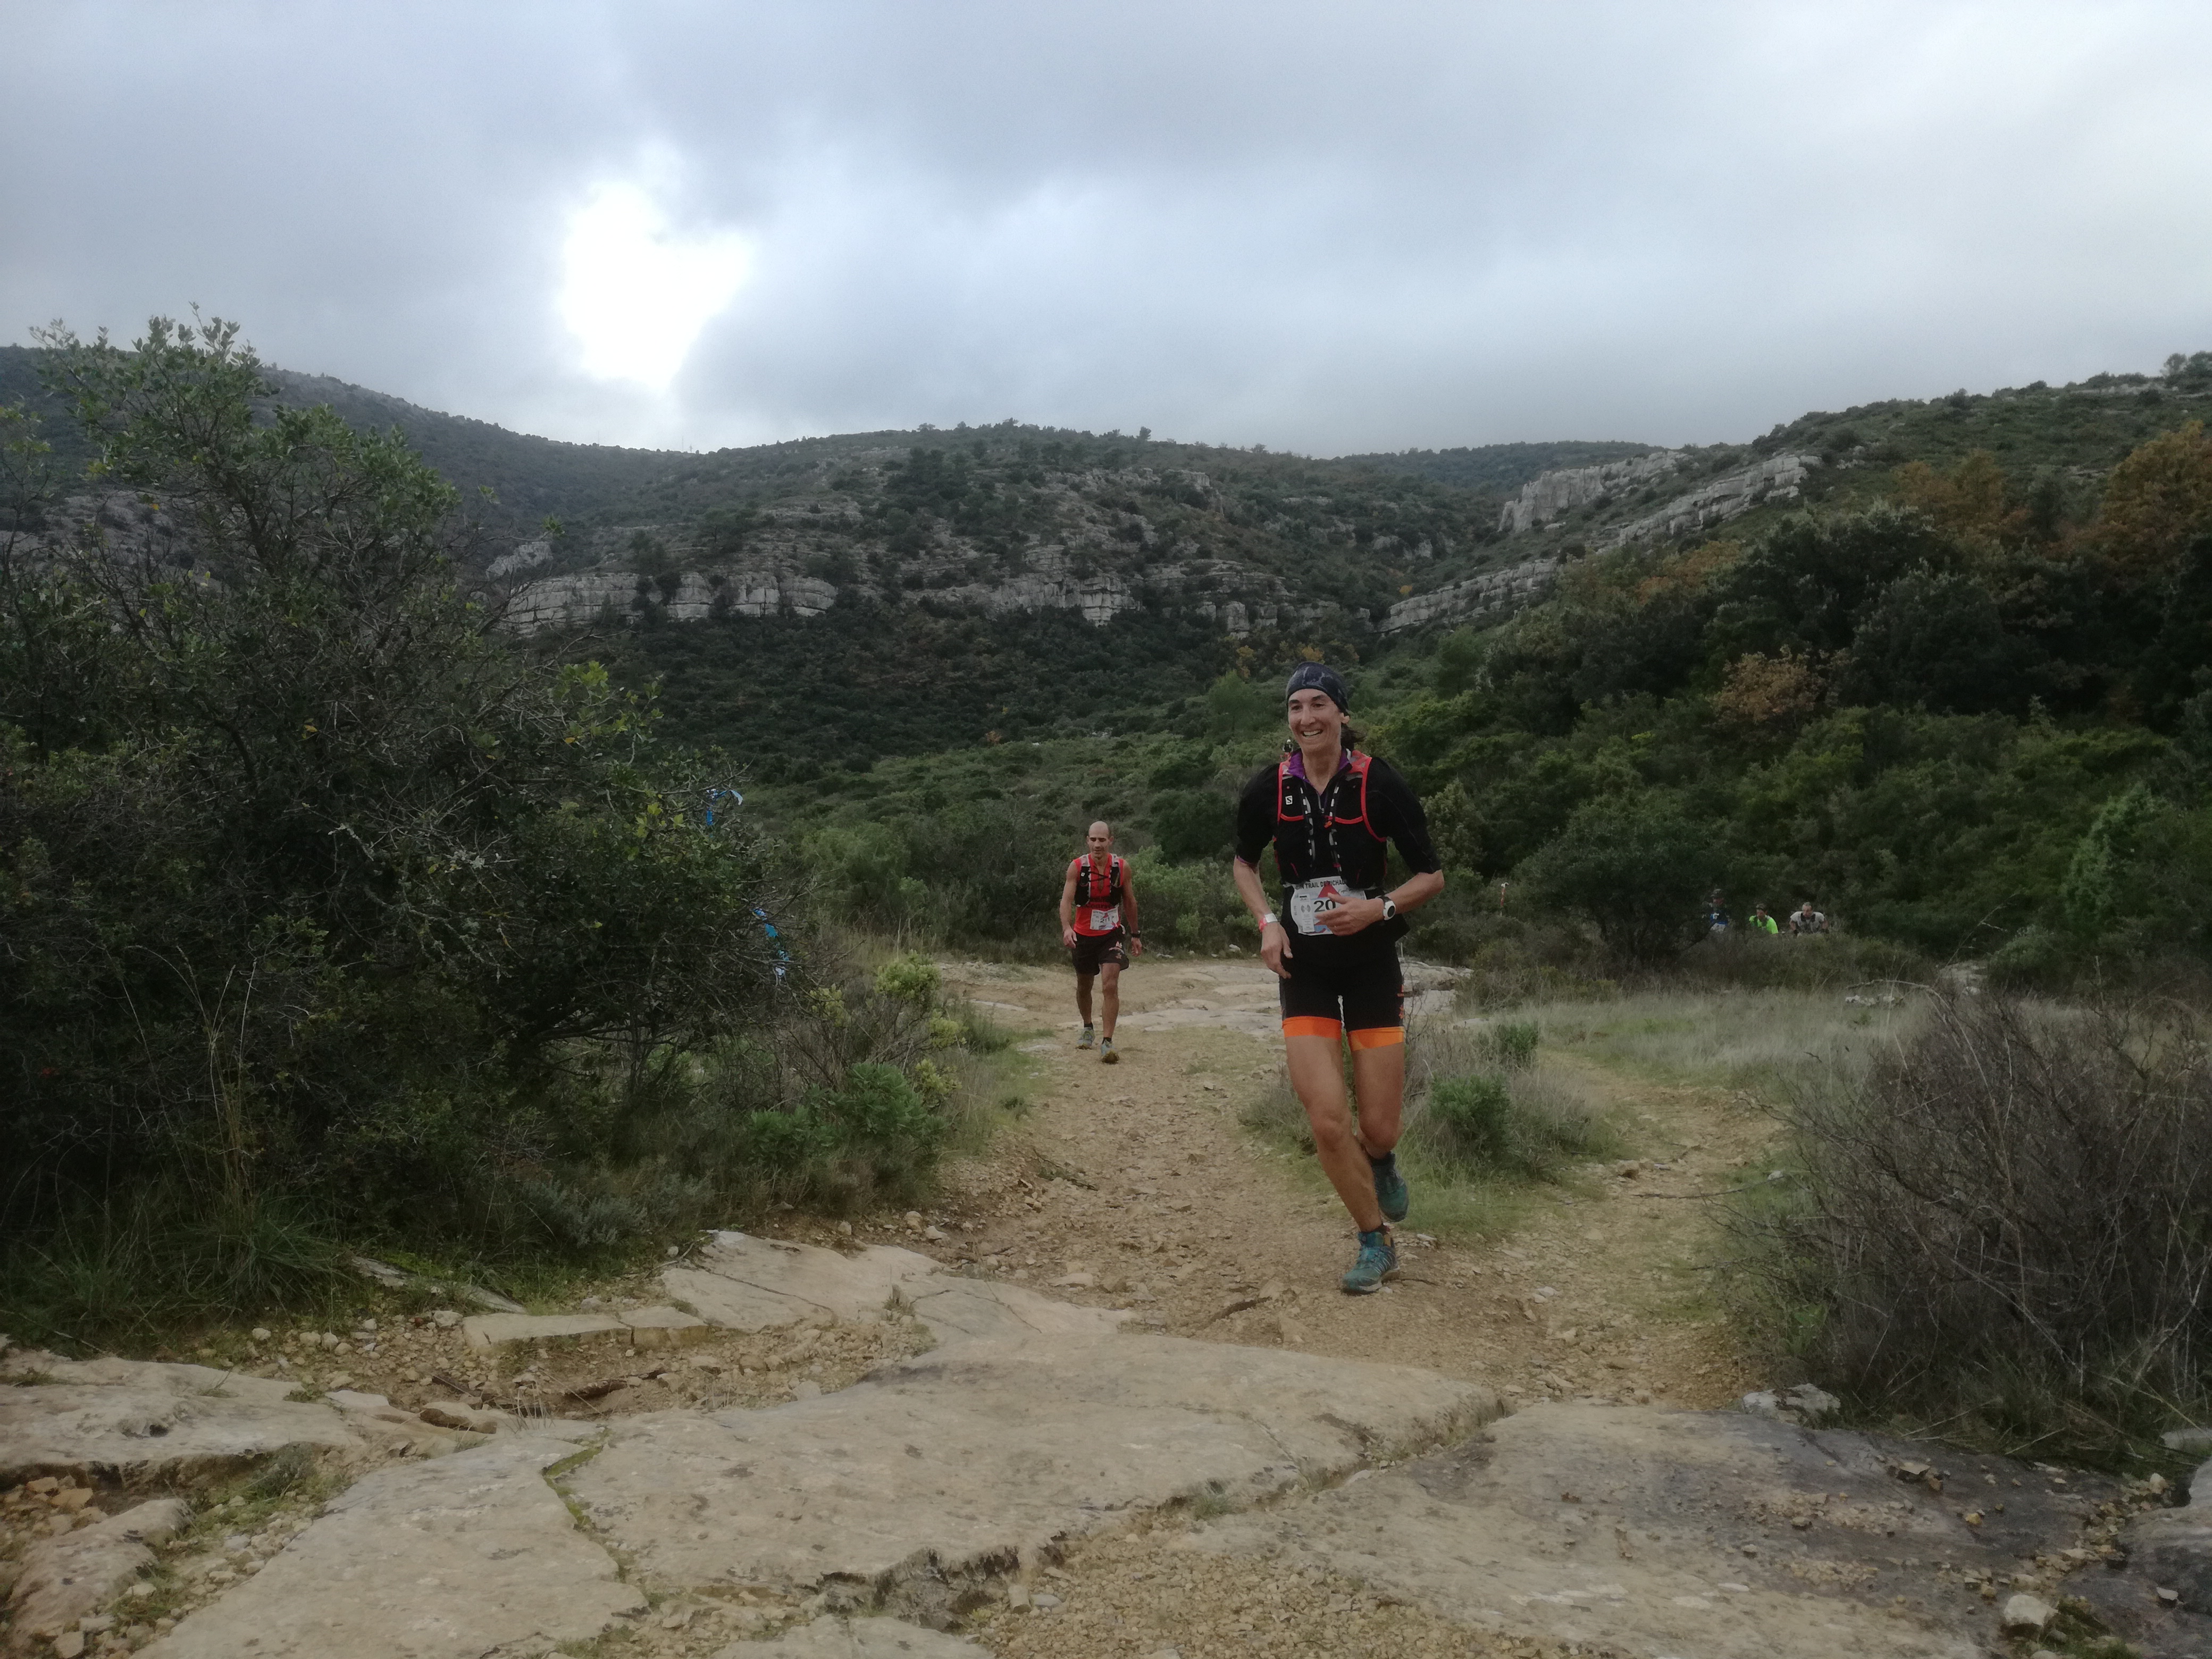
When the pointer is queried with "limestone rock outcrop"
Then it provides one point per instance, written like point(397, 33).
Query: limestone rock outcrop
point(1549, 496)
point(1495, 594)
point(1777, 479)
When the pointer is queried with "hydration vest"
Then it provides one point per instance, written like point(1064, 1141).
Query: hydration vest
point(1326, 842)
point(1089, 910)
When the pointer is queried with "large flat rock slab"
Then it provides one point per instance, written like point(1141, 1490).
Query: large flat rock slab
point(749, 1284)
point(120, 1419)
point(937, 1474)
point(1658, 1533)
point(454, 1558)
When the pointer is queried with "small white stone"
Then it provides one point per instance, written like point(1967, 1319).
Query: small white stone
point(2026, 1614)
point(260, 1333)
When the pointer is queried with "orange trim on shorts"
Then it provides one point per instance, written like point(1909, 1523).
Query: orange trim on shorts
point(1310, 1026)
point(1378, 1037)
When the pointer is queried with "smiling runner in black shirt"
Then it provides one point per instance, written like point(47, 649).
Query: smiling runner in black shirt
point(1332, 813)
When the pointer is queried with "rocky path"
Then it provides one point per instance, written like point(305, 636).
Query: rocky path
point(1138, 1176)
point(1105, 1401)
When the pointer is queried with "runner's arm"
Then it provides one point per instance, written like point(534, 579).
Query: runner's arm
point(1067, 909)
point(1255, 828)
point(1129, 904)
point(1274, 942)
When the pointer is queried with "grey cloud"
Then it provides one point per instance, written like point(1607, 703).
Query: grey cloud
point(1327, 227)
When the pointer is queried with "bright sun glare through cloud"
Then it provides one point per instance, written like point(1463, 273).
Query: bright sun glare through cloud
point(635, 292)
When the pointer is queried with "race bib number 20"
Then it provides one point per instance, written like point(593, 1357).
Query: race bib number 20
point(1311, 900)
point(1103, 921)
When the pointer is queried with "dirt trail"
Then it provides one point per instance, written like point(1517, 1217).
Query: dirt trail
point(1141, 1176)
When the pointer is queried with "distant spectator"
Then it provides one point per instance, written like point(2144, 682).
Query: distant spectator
point(1761, 922)
point(1717, 915)
point(1805, 920)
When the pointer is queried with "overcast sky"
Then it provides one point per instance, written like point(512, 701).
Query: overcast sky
point(1325, 227)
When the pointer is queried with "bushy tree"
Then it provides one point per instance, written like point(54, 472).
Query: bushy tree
point(308, 873)
point(1636, 867)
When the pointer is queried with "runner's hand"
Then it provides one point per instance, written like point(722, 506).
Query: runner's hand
point(1067, 937)
point(1136, 947)
point(1274, 946)
point(1351, 916)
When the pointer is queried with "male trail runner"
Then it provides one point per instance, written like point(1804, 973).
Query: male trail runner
point(1331, 813)
point(1092, 901)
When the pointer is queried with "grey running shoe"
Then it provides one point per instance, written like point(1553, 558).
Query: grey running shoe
point(1390, 1189)
point(1106, 1055)
point(1088, 1039)
point(1377, 1261)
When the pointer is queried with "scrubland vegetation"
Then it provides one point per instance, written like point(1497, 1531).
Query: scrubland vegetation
point(334, 921)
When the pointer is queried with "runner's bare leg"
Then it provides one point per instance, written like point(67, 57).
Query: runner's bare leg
point(1378, 1078)
point(1316, 1067)
point(1109, 997)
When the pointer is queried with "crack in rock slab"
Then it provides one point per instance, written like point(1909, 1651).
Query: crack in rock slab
point(139, 1423)
point(950, 1467)
point(450, 1559)
point(1656, 1532)
point(857, 1638)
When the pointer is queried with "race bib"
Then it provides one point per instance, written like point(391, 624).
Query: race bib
point(1311, 900)
point(1102, 922)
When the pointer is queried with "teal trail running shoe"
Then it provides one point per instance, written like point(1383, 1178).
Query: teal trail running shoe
point(1106, 1055)
point(1377, 1261)
point(1089, 1038)
point(1390, 1187)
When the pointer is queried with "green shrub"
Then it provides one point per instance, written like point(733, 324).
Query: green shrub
point(909, 976)
point(1479, 1108)
point(1193, 824)
point(1511, 1045)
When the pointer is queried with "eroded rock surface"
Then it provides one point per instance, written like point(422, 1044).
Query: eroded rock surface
point(2167, 1551)
point(451, 1559)
point(1661, 1533)
point(937, 1474)
point(749, 1284)
point(940, 1485)
point(122, 1420)
point(62, 1579)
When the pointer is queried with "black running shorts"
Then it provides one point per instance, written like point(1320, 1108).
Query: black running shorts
point(1092, 950)
point(1361, 993)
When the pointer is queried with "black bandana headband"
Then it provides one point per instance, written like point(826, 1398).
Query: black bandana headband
point(1319, 677)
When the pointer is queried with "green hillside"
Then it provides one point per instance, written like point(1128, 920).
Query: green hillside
point(1495, 467)
point(1914, 684)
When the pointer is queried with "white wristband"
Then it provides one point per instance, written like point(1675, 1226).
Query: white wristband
point(1267, 922)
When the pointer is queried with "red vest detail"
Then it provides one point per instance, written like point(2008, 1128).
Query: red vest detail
point(1084, 903)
